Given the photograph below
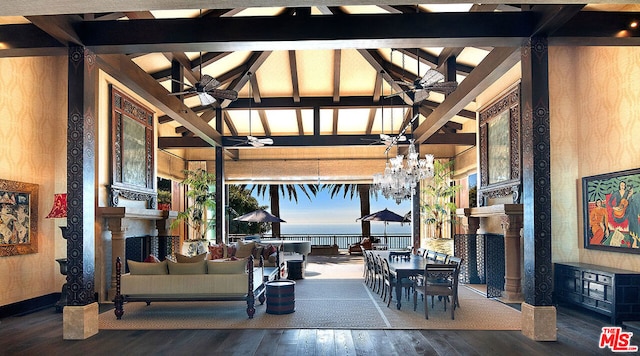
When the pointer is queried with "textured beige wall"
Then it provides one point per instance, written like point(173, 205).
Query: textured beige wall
point(591, 134)
point(33, 113)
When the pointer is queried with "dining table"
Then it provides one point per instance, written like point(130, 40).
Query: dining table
point(404, 266)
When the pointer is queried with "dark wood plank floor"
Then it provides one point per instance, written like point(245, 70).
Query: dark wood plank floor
point(40, 333)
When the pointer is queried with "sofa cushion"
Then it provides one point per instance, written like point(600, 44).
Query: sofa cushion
point(245, 248)
point(147, 268)
point(226, 266)
point(188, 259)
point(187, 268)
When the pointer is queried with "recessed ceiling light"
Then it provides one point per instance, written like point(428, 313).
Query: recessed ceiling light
point(633, 24)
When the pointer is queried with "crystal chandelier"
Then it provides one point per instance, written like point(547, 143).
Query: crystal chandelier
point(400, 177)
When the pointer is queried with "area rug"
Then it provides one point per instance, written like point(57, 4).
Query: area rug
point(340, 302)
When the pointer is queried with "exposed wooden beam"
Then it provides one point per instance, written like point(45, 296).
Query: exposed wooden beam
point(337, 55)
point(24, 40)
point(376, 61)
point(461, 139)
point(312, 32)
point(128, 73)
point(494, 65)
point(47, 7)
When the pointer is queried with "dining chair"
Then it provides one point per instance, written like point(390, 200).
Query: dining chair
point(407, 283)
point(430, 255)
point(457, 261)
point(389, 282)
point(441, 257)
point(366, 274)
point(377, 273)
point(440, 280)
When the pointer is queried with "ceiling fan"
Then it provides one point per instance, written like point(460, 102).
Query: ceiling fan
point(252, 140)
point(421, 87)
point(387, 139)
point(207, 90)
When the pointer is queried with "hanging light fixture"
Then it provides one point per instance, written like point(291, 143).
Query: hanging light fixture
point(400, 177)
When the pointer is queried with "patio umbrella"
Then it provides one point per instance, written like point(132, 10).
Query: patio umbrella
point(259, 216)
point(385, 216)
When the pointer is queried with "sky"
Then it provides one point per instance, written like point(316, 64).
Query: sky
point(336, 214)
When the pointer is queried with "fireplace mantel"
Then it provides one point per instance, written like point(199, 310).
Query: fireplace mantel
point(491, 210)
point(115, 218)
point(511, 219)
point(135, 213)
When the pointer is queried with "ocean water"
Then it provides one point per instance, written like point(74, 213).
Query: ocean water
point(377, 228)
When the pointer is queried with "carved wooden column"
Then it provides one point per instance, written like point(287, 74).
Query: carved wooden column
point(511, 225)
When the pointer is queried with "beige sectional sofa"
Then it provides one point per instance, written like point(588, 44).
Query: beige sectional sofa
point(209, 280)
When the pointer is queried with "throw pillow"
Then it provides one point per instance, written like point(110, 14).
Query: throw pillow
point(187, 259)
point(245, 248)
point(226, 267)
point(257, 252)
point(152, 259)
point(273, 257)
point(217, 251)
point(268, 251)
point(187, 268)
point(147, 268)
point(231, 250)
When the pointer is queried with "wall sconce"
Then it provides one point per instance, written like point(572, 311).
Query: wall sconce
point(59, 210)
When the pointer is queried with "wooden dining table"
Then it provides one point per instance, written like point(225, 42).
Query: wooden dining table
point(403, 268)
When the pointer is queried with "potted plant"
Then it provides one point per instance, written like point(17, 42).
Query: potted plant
point(198, 216)
point(164, 199)
point(439, 193)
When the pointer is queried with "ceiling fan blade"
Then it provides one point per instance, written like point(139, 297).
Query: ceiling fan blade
point(256, 143)
point(266, 141)
point(398, 93)
point(208, 83)
point(420, 95)
point(444, 87)
point(430, 77)
point(183, 92)
point(206, 99)
point(403, 83)
point(223, 94)
point(402, 138)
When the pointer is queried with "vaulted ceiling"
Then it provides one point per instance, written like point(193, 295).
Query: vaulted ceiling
point(316, 79)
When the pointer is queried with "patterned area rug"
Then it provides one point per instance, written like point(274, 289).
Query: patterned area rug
point(331, 296)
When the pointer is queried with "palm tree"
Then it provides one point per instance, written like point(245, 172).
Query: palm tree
point(438, 204)
point(290, 190)
point(363, 193)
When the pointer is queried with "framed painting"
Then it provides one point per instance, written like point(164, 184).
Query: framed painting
point(132, 151)
point(18, 218)
point(611, 211)
point(499, 136)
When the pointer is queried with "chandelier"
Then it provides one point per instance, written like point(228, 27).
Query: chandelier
point(401, 176)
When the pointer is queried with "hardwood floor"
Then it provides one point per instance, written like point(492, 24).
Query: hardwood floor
point(40, 333)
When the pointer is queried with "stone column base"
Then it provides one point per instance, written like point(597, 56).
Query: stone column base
point(539, 322)
point(79, 322)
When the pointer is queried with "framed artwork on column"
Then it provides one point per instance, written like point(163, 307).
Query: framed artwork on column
point(611, 211)
point(132, 150)
point(500, 156)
